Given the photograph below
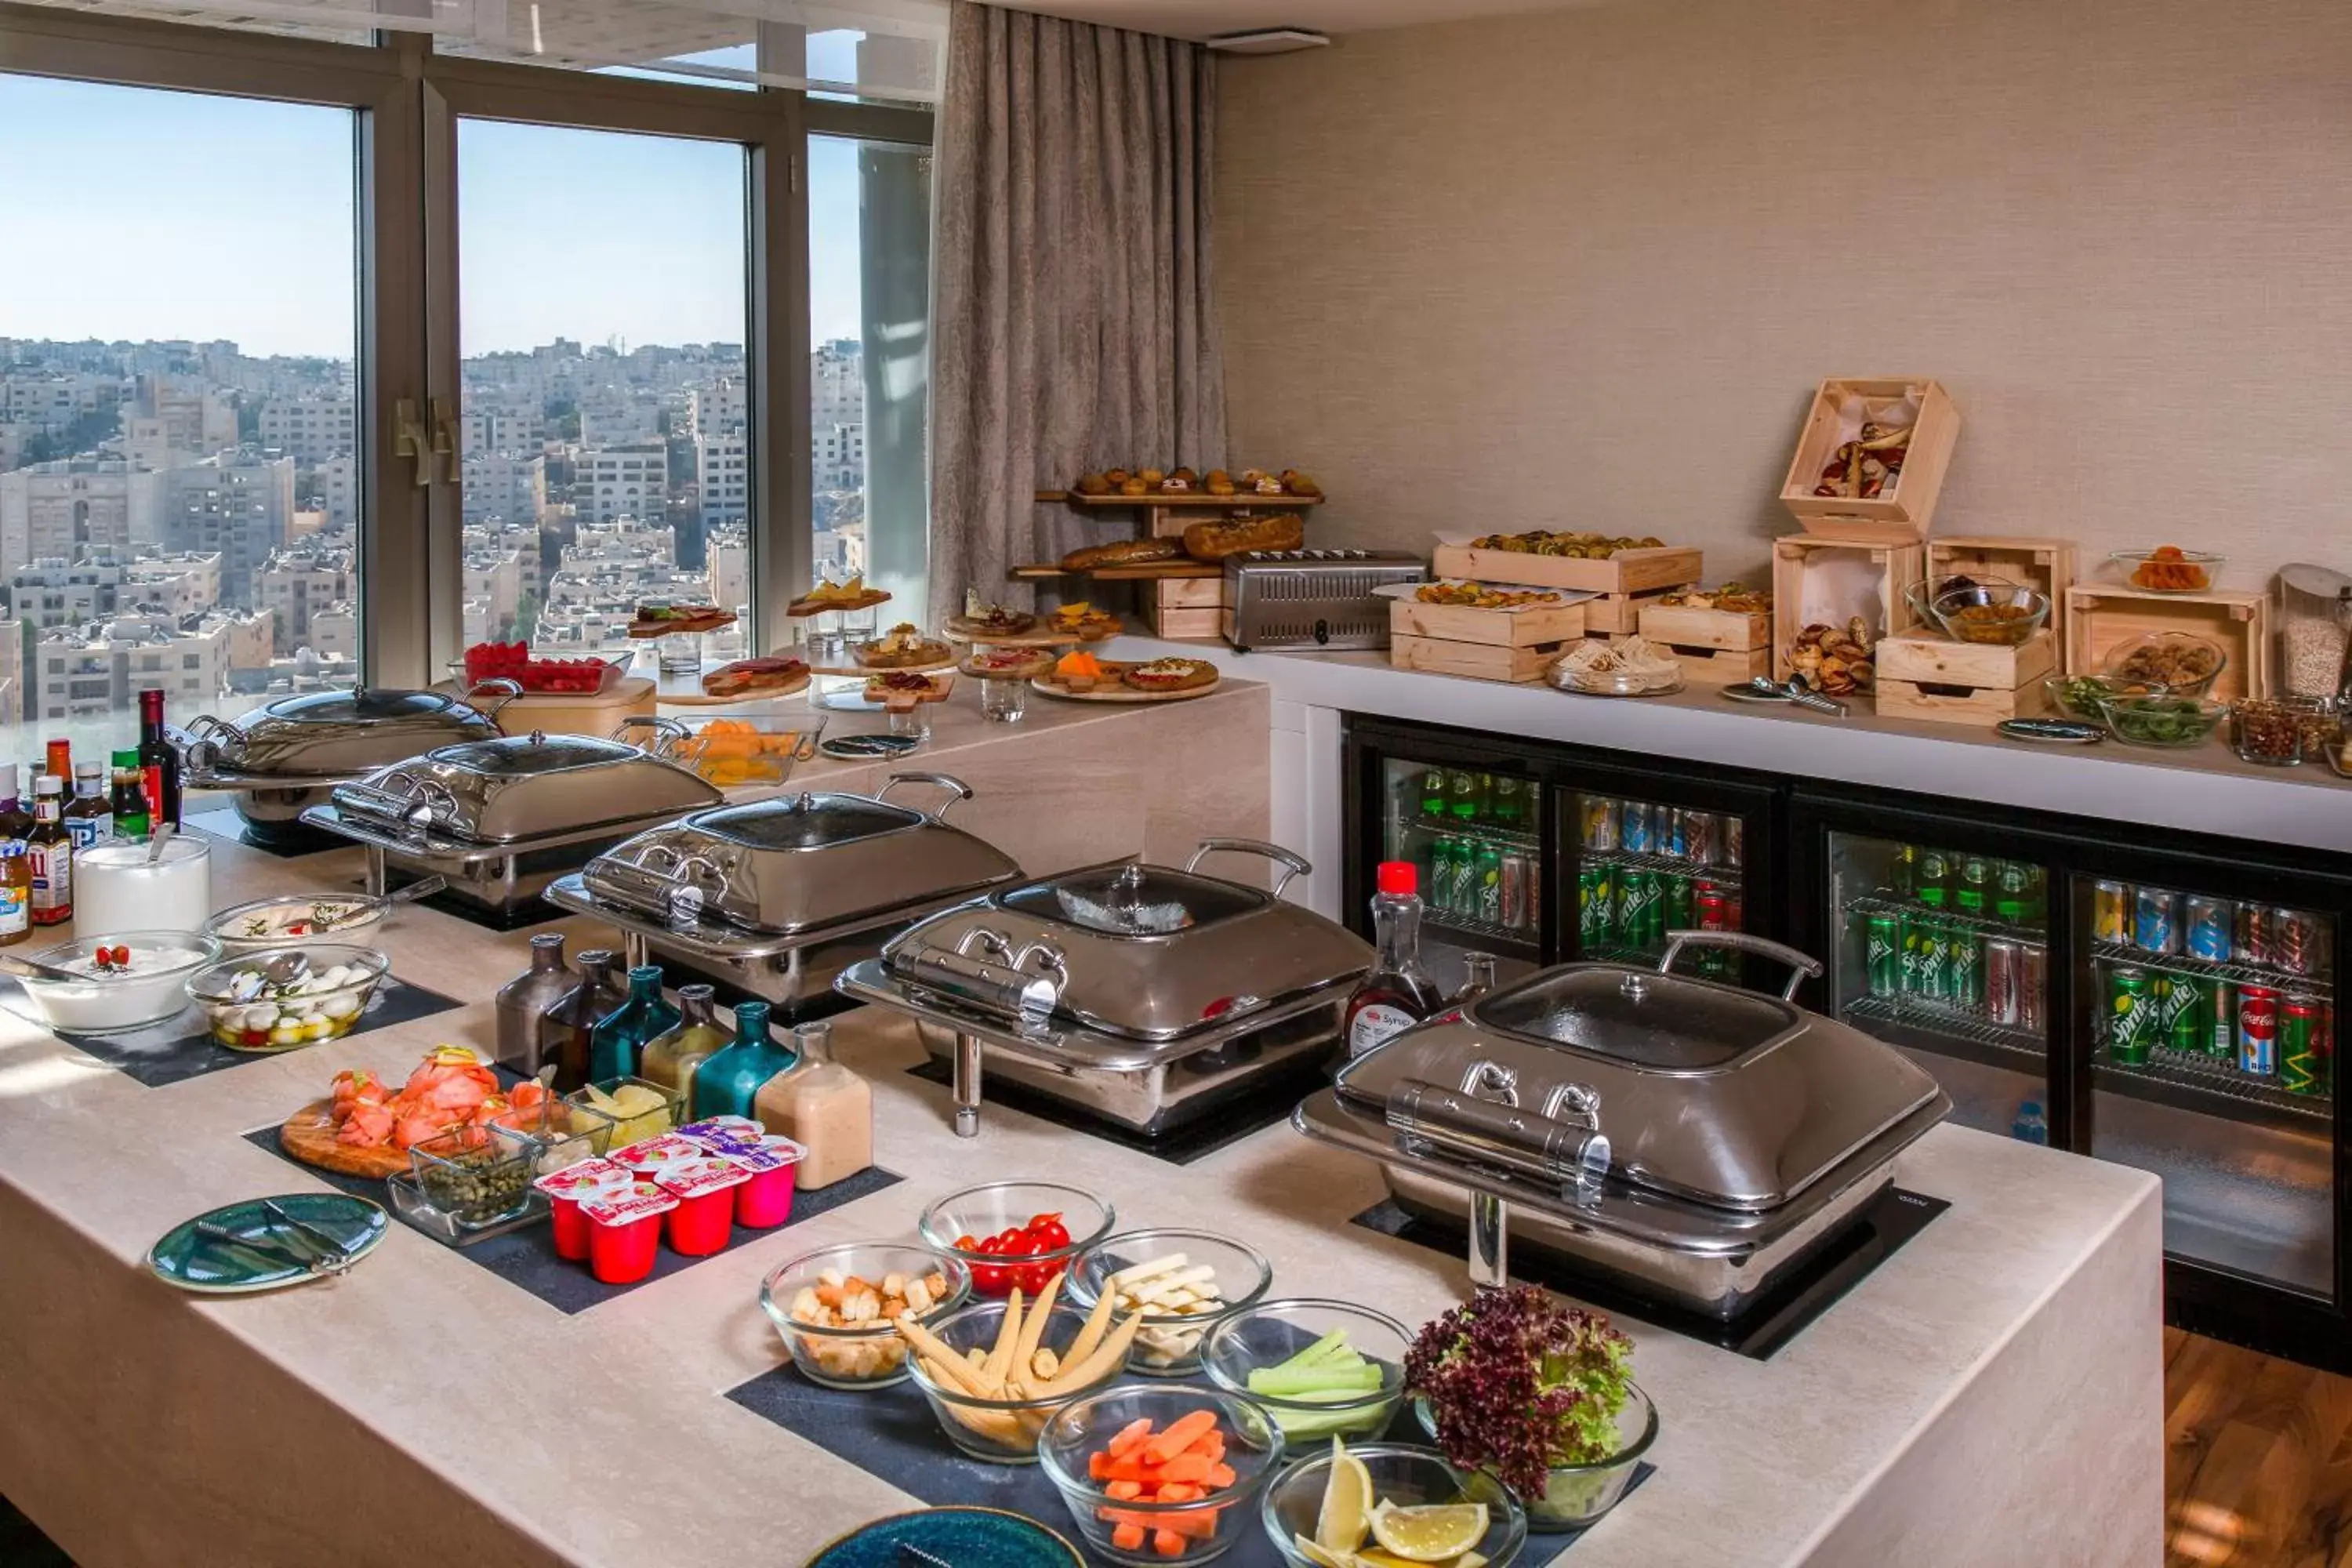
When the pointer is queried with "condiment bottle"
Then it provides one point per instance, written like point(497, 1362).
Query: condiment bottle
point(15, 822)
point(671, 1057)
point(16, 892)
point(823, 1107)
point(1479, 978)
point(61, 761)
point(52, 853)
point(1397, 993)
point(728, 1083)
point(89, 819)
point(563, 1034)
point(159, 760)
point(523, 1001)
point(619, 1038)
point(133, 819)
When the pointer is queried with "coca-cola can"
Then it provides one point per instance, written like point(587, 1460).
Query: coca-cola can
point(2033, 968)
point(1514, 912)
point(2253, 938)
point(2258, 1019)
point(2296, 940)
point(1714, 909)
point(1700, 837)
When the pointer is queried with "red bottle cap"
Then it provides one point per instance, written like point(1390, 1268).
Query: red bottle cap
point(1399, 878)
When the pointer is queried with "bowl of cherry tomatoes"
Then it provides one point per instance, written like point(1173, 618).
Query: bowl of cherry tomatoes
point(1015, 1235)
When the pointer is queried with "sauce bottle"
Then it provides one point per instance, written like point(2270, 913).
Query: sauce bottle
point(15, 822)
point(89, 819)
point(133, 818)
point(16, 892)
point(563, 1034)
point(52, 853)
point(1397, 993)
point(671, 1057)
point(523, 1001)
point(824, 1107)
point(159, 760)
point(728, 1083)
point(618, 1041)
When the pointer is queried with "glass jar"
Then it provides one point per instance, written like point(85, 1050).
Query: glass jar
point(2313, 604)
point(523, 1001)
point(563, 1033)
point(672, 1057)
point(823, 1107)
point(728, 1083)
point(619, 1038)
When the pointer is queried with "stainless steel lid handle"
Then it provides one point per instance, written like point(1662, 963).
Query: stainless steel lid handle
point(504, 688)
point(668, 733)
point(1292, 865)
point(1801, 966)
point(957, 789)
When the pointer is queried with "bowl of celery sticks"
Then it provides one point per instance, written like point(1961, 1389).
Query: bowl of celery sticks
point(1317, 1368)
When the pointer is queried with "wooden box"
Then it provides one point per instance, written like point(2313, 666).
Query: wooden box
point(1902, 513)
point(1483, 662)
point(1186, 607)
point(1619, 614)
point(1830, 580)
point(1720, 630)
point(1530, 627)
point(1926, 675)
point(1626, 571)
point(1936, 704)
point(2103, 615)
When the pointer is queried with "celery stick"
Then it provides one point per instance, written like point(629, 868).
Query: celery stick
point(1327, 1348)
point(1282, 1383)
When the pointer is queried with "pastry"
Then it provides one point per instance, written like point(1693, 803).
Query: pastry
point(753, 675)
point(1151, 476)
point(1126, 552)
point(1135, 487)
point(853, 594)
point(1479, 597)
point(1216, 538)
point(1116, 477)
point(1094, 485)
point(903, 646)
point(1086, 623)
point(1300, 484)
point(661, 620)
point(1169, 674)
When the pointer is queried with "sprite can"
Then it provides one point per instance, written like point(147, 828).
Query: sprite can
point(1935, 954)
point(1637, 901)
point(2186, 1013)
point(1596, 908)
point(1678, 910)
point(2132, 1021)
point(1964, 968)
point(1907, 951)
point(1883, 950)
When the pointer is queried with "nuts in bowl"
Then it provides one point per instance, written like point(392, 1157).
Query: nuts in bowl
point(837, 1308)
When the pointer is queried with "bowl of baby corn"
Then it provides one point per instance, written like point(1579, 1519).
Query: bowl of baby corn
point(996, 1370)
point(1184, 1282)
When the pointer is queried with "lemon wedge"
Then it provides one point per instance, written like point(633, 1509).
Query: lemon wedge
point(1436, 1534)
point(1347, 1503)
point(1321, 1556)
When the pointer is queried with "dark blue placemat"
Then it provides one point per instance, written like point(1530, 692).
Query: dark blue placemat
point(527, 1258)
point(180, 1048)
point(891, 1433)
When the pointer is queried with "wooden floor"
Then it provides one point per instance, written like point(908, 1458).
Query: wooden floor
point(2257, 1459)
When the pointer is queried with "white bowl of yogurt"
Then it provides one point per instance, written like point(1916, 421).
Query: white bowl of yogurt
point(147, 985)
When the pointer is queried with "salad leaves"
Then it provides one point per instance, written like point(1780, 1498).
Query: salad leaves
point(1520, 1382)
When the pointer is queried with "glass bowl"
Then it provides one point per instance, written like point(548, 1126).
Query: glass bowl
point(152, 989)
point(983, 1211)
point(2182, 663)
point(1922, 595)
point(1130, 1531)
point(665, 1114)
point(2162, 720)
point(476, 1175)
point(2195, 570)
point(864, 1355)
point(756, 746)
point(1169, 1344)
point(247, 1012)
point(1575, 1495)
point(296, 918)
point(2004, 615)
point(1406, 1475)
point(2079, 696)
point(1260, 1338)
point(998, 1431)
point(562, 1133)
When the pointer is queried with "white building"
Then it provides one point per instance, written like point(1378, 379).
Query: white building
point(722, 473)
point(338, 486)
point(727, 549)
point(191, 418)
point(503, 419)
point(837, 384)
point(54, 593)
point(237, 504)
point(97, 670)
point(519, 539)
point(335, 634)
point(76, 507)
point(618, 416)
point(493, 583)
point(840, 457)
point(296, 582)
point(182, 584)
point(622, 544)
point(310, 428)
point(507, 486)
point(633, 480)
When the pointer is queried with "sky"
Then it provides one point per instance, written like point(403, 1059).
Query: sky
point(132, 213)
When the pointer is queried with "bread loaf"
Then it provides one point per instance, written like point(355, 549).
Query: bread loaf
point(1126, 552)
point(1231, 535)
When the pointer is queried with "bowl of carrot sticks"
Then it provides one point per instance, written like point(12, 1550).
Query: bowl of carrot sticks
point(995, 1370)
point(1161, 1473)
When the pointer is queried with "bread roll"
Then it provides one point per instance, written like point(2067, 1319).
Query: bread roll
point(1230, 536)
point(1126, 552)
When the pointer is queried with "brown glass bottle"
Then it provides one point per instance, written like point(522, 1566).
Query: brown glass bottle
point(16, 892)
point(52, 853)
point(16, 821)
point(565, 1032)
point(90, 815)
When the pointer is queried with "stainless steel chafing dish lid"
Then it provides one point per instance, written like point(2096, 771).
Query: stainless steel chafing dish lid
point(515, 787)
point(1721, 1097)
point(323, 733)
point(801, 861)
point(1145, 952)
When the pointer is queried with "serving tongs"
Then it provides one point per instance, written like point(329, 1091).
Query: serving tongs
point(317, 1253)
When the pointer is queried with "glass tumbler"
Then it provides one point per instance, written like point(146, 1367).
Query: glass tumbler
point(680, 653)
point(912, 724)
point(1003, 701)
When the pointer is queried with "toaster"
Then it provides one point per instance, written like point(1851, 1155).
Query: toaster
point(1313, 598)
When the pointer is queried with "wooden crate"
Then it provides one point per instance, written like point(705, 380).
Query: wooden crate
point(1627, 572)
point(1924, 675)
point(1482, 661)
point(1505, 629)
point(1201, 623)
point(1719, 629)
point(1937, 704)
point(1619, 614)
point(1817, 578)
point(1902, 515)
point(2101, 617)
point(1189, 594)
point(1720, 663)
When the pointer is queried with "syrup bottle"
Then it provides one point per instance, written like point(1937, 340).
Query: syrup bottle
point(1397, 993)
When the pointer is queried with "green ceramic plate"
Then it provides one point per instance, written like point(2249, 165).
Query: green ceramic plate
point(193, 1260)
point(962, 1537)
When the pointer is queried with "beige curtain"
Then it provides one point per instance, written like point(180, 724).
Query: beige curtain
point(1072, 308)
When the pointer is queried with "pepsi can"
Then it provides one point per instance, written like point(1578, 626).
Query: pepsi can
point(2155, 921)
point(1634, 834)
point(2207, 930)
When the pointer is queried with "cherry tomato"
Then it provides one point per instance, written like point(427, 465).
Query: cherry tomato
point(1037, 1277)
point(964, 1243)
point(1049, 1229)
point(993, 1245)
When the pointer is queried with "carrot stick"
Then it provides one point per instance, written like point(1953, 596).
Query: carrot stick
point(1185, 1468)
point(1123, 1491)
point(1128, 1538)
point(1168, 1543)
point(1221, 1476)
point(1181, 1435)
point(1129, 1436)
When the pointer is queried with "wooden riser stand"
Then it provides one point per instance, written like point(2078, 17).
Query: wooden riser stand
point(1927, 676)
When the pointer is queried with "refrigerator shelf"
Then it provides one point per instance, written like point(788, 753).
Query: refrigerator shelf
point(1523, 840)
point(1503, 941)
point(1884, 902)
point(1945, 1023)
point(2206, 1085)
point(2257, 974)
point(1669, 865)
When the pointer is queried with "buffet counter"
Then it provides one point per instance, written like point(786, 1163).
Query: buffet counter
point(422, 1403)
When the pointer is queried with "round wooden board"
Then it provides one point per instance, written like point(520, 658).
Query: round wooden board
point(1120, 693)
point(862, 670)
point(695, 697)
point(309, 1136)
point(1036, 637)
point(1041, 665)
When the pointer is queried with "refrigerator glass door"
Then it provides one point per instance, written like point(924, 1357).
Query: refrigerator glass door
point(1945, 956)
point(2213, 1025)
point(1477, 839)
point(1644, 868)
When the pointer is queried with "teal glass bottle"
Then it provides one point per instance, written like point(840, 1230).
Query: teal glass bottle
point(618, 1041)
point(727, 1083)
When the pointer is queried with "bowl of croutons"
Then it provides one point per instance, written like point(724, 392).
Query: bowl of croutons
point(836, 1307)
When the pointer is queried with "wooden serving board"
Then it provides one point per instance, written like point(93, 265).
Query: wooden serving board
point(1240, 500)
point(1115, 692)
point(695, 697)
point(1133, 572)
point(1039, 635)
point(309, 1136)
point(863, 671)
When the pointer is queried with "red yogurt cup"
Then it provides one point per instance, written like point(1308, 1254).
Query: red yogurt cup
point(704, 1220)
point(765, 1201)
point(624, 1232)
point(566, 1189)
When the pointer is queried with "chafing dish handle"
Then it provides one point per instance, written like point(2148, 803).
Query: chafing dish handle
point(1292, 865)
point(1801, 966)
point(506, 689)
point(957, 789)
point(668, 733)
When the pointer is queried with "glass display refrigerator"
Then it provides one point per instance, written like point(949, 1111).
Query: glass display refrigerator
point(2159, 999)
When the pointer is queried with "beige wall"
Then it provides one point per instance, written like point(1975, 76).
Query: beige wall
point(1582, 269)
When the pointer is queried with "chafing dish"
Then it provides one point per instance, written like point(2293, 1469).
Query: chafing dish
point(1694, 1141)
point(777, 895)
point(1147, 996)
point(282, 759)
point(500, 818)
